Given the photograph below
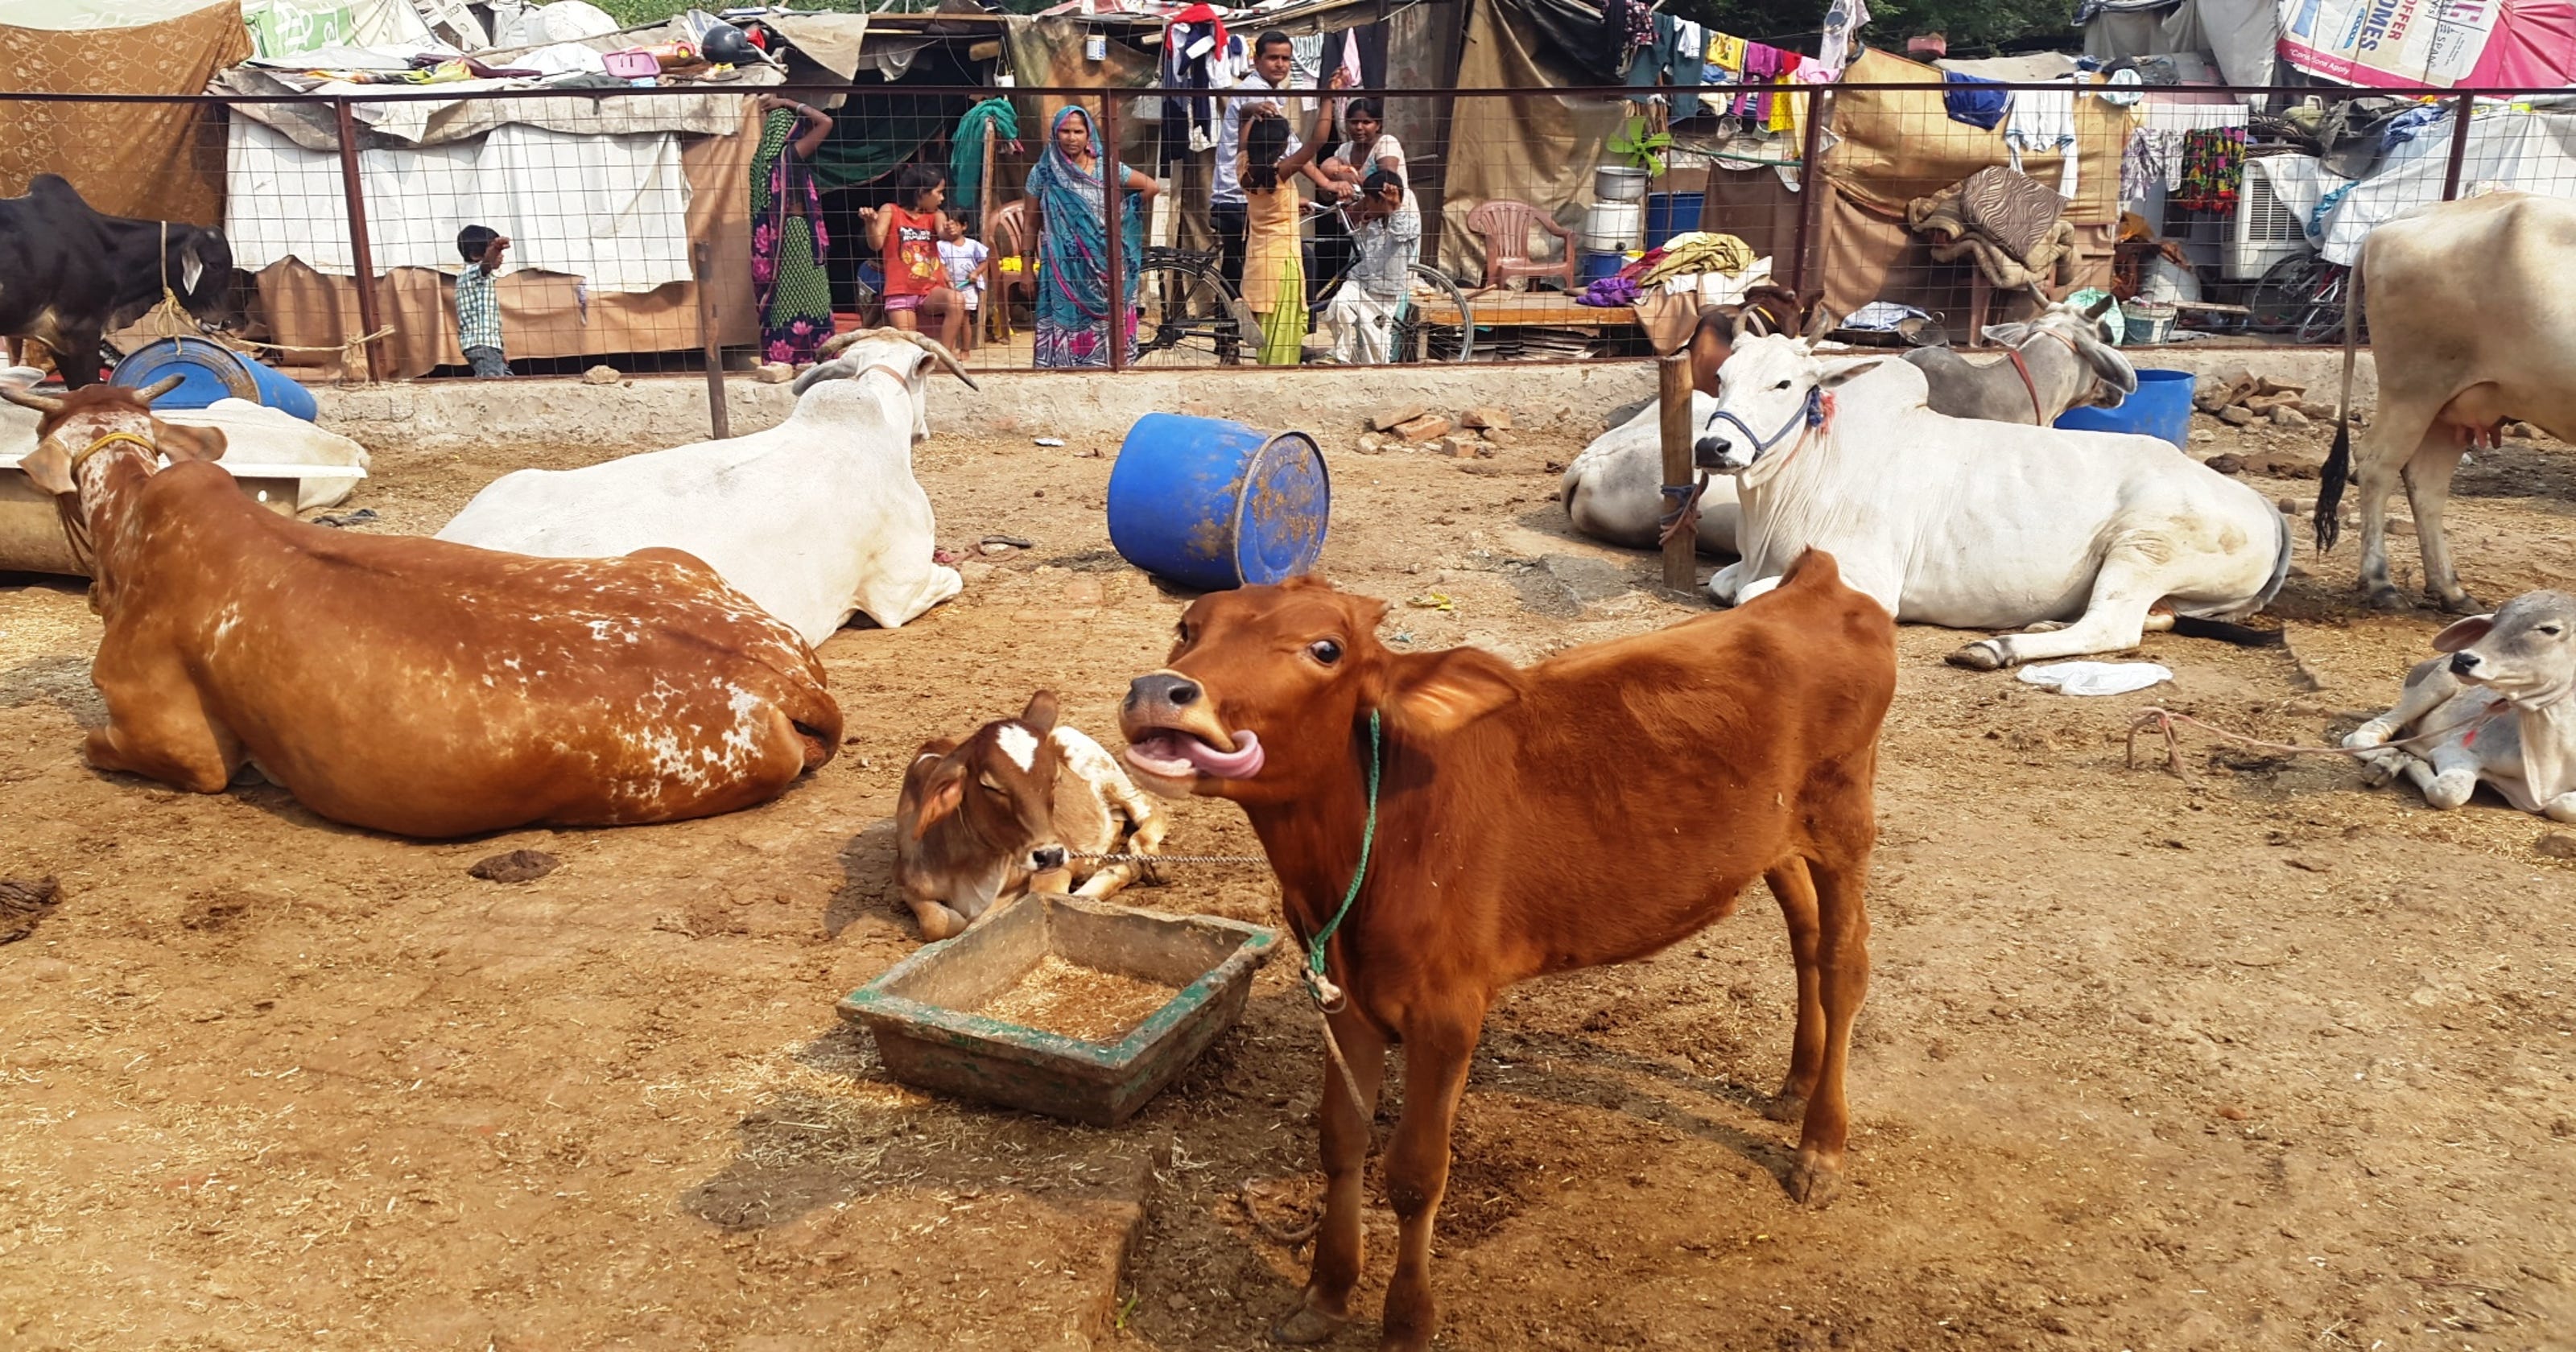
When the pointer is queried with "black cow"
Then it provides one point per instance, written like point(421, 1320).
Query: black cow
point(69, 276)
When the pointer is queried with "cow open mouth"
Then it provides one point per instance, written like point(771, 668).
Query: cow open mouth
point(1169, 753)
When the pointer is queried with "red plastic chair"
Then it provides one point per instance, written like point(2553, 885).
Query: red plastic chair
point(1505, 225)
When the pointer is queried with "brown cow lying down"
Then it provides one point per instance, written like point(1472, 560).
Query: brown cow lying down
point(1010, 811)
point(1591, 809)
point(409, 685)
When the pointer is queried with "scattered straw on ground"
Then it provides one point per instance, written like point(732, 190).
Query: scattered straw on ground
point(1066, 998)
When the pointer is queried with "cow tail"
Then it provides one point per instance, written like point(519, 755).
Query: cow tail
point(2338, 466)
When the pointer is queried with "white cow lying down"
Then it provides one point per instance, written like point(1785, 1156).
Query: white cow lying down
point(1975, 524)
point(816, 519)
point(254, 434)
point(1614, 489)
point(2501, 708)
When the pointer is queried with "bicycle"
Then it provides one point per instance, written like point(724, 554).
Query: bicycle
point(1422, 333)
point(1187, 315)
point(2302, 295)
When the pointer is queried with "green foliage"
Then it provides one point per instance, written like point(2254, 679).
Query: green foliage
point(1969, 23)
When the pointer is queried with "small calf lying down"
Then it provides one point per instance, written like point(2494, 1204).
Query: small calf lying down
point(1011, 810)
point(2501, 709)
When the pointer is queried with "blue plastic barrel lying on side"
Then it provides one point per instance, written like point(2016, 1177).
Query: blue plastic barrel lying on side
point(2160, 408)
point(211, 371)
point(1212, 504)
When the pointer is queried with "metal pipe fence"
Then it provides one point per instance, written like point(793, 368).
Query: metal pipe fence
point(697, 229)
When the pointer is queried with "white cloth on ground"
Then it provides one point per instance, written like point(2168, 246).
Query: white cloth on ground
point(2095, 678)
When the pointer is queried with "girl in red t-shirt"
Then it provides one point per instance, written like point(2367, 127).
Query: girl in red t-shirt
point(917, 293)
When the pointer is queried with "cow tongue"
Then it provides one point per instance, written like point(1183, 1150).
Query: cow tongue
point(1173, 754)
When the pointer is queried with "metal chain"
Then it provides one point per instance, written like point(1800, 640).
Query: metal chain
point(1127, 858)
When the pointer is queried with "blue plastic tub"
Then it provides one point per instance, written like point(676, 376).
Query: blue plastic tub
point(1672, 213)
point(1596, 264)
point(211, 371)
point(2160, 408)
point(1213, 505)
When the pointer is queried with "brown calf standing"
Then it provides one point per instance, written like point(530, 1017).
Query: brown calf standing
point(408, 685)
point(1012, 810)
point(1591, 809)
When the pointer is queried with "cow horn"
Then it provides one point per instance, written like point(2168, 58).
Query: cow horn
point(159, 388)
point(42, 403)
point(946, 358)
point(1753, 320)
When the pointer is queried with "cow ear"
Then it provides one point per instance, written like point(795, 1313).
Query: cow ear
point(2463, 634)
point(1444, 691)
point(947, 789)
point(1850, 373)
point(1039, 717)
point(183, 444)
point(49, 467)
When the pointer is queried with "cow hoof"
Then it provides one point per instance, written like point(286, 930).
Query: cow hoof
point(1306, 1326)
point(1786, 1108)
point(1983, 655)
point(1812, 1182)
point(2045, 627)
point(2389, 598)
point(2462, 604)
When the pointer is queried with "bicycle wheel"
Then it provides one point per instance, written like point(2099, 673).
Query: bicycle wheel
point(1435, 322)
point(2323, 319)
point(2286, 293)
point(1186, 317)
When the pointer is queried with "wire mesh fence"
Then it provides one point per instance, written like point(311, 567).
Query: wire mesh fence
point(669, 230)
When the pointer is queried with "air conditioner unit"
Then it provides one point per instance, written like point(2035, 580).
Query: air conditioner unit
point(2265, 229)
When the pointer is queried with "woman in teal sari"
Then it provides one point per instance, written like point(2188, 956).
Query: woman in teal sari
point(1073, 245)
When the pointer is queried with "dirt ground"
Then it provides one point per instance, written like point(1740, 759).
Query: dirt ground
point(2262, 1060)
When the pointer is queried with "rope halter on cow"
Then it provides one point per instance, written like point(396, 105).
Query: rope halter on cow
point(1811, 413)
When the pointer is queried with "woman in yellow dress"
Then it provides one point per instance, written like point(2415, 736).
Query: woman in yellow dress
point(1274, 264)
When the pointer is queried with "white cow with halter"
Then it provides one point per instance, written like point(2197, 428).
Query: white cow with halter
point(817, 519)
point(2087, 537)
point(2500, 709)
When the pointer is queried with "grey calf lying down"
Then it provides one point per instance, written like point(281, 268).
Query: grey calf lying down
point(2499, 710)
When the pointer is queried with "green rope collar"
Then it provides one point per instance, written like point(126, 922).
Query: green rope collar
point(1325, 994)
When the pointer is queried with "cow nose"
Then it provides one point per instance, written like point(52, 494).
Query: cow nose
point(2464, 664)
point(1047, 857)
point(1710, 453)
point(1161, 690)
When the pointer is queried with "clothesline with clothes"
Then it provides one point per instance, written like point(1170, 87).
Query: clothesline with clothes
point(1654, 50)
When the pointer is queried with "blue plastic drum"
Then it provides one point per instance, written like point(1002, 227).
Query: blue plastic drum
point(1212, 505)
point(210, 371)
point(2160, 408)
point(1599, 263)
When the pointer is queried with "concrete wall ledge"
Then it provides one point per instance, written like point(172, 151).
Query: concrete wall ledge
point(649, 412)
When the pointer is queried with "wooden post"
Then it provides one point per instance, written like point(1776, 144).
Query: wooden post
point(1113, 200)
point(2461, 111)
point(994, 296)
point(1811, 188)
point(1681, 553)
point(719, 418)
point(362, 256)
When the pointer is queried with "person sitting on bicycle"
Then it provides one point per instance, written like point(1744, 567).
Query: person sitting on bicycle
point(1386, 233)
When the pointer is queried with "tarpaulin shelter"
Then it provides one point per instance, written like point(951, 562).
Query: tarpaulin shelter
point(604, 200)
point(161, 160)
point(2505, 44)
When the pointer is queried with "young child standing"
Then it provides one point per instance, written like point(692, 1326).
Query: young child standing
point(967, 260)
point(478, 308)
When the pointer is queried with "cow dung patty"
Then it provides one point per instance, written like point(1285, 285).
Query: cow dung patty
point(518, 866)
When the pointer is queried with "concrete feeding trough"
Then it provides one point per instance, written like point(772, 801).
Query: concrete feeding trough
point(31, 530)
point(924, 1012)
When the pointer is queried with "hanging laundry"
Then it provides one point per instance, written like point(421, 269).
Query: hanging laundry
point(1842, 21)
point(2213, 168)
point(1786, 113)
point(1628, 26)
point(2142, 166)
point(2042, 121)
point(1761, 62)
point(1726, 53)
point(1198, 53)
point(1689, 59)
point(1978, 107)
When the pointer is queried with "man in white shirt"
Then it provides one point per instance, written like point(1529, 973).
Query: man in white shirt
point(1273, 62)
